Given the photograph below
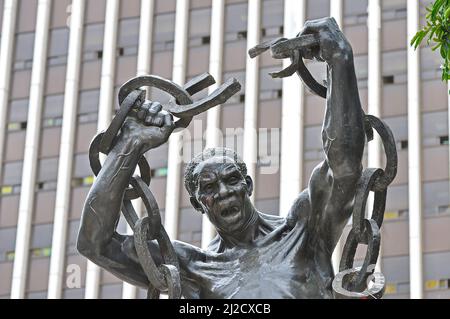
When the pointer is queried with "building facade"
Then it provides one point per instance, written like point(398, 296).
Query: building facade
point(63, 61)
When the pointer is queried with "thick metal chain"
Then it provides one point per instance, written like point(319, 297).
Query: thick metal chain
point(362, 282)
point(166, 276)
point(350, 282)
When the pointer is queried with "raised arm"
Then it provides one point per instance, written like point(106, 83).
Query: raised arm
point(97, 238)
point(332, 185)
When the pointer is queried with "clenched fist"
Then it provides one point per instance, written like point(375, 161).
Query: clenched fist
point(333, 46)
point(150, 125)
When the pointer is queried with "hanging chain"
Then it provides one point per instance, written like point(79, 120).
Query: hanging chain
point(350, 282)
point(166, 276)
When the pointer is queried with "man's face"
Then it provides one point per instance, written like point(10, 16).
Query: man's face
point(223, 192)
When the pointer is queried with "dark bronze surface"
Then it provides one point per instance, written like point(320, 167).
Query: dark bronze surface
point(254, 255)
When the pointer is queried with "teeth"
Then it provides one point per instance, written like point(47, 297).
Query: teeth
point(230, 211)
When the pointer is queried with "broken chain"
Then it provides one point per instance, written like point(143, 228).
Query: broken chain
point(350, 282)
point(166, 276)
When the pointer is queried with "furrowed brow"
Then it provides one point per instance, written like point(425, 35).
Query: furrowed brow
point(229, 170)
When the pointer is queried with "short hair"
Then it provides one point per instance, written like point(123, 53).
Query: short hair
point(191, 183)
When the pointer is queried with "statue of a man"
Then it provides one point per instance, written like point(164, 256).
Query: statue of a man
point(254, 255)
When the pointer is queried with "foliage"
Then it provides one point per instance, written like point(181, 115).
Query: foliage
point(438, 32)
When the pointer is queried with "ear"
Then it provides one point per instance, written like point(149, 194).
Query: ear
point(196, 204)
point(249, 182)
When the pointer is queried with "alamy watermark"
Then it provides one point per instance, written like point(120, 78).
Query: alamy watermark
point(266, 142)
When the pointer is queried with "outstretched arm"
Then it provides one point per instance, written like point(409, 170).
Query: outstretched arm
point(332, 184)
point(97, 238)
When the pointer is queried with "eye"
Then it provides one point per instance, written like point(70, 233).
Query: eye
point(208, 188)
point(233, 180)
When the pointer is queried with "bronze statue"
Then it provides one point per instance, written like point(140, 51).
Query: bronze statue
point(254, 255)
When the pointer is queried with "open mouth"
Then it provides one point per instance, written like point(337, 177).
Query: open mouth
point(230, 211)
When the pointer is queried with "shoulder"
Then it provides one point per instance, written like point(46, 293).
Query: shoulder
point(187, 253)
point(300, 209)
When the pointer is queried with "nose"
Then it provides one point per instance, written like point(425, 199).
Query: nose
point(223, 190)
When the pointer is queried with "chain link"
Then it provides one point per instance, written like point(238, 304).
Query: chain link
point(350, 282)
point(353, 282)
point(164, 277)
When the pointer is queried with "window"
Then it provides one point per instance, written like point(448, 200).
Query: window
point(10, 189)
point(41, 236)
point(395, 215)
point(18, 111)
point(93, 41)
point(388, 79)
point(443, 140)
point(7, 240)
point(88, 101)
point(53, 110)
point(435, 198)
point(111, 291)
point(83, 181)
point(24, 51)
point(404, 144)
point(17, 126)
point(241, 35)
point(236, 19)
point(59, 43)
point(164, 31)
point(128, 33)
point(159, 172)
point(41, 252)
point(354, 7)
point(443, 209)
point(87, 118)
point(206, 39)
point(268, 206)
point(37, 295)
point(318, 9)
point(200, 24)
point(396, 269)
point(190, 223)
point(12, 173)
point(436, 272)
point(47, 170)
point(391, 288)
point(394, 64)
point(272, 18)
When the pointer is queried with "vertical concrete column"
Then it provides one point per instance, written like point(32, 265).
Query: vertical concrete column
point(68, 131)
point(143, 67)
point(30, 161)
point(213, 135)
point(414, 156)
point(105, 110)
point(176, 140)
point(250, 155)
point(336, 11)
point(6, 62)
point(292, 103)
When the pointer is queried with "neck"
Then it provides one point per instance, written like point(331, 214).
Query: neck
point(245, 234)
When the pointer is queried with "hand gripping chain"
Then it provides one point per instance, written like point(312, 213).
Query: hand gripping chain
point(164, 277)
point(350, 282)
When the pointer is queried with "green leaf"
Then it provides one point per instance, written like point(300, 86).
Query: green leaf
point(447, 13)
